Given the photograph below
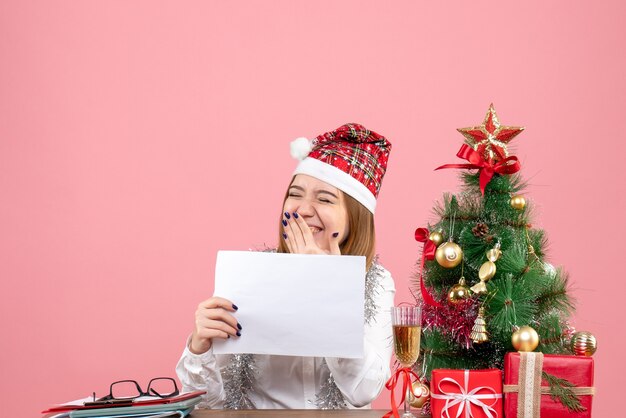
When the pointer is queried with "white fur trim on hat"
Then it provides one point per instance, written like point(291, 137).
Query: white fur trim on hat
point(338, 178)
point(300, 148)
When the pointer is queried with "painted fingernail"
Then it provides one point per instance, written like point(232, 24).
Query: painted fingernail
point(284, 222)
point(284, 235)
point(295, 215)
point(235, 307)
point(287, 215)
point(336, 234)
point(238, 334)
point(239, 325)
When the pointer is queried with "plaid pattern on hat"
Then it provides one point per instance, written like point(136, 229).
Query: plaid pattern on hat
point(356, 151)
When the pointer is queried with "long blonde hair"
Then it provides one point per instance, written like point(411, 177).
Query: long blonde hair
point(361, 239)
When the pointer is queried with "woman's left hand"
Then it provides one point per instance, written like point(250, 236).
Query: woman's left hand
point(300, 240)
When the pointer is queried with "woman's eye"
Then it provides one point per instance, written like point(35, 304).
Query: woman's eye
point(325, 200)
point(293, 195)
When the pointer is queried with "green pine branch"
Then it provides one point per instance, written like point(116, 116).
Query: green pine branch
point(539, 241)
point(550, 329)
point(561, 390)
point(514, 259)
point(510, 184)
point(555, 295)
point(511, 304)
point(462, 207)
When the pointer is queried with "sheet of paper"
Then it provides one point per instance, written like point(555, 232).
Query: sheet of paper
point(293, 304)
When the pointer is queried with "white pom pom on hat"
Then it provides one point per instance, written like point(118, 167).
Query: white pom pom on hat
point(300, 148)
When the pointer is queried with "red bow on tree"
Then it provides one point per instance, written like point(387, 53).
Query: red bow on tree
point(487, 168)
point(428, 253)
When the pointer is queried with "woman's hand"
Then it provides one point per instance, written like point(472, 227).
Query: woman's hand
point(213, 320)
point(300, 240)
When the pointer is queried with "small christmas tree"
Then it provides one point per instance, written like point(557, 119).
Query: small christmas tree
point(483, 272)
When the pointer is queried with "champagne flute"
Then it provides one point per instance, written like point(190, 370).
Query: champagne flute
point(407, 328)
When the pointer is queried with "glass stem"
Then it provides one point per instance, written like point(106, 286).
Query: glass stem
point(406, 399)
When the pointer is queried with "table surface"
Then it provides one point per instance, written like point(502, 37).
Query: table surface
point(302, 413)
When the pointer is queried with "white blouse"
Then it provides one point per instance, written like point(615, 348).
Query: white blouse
point(293, 382)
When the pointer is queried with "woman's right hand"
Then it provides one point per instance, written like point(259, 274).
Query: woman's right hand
point(213, 320)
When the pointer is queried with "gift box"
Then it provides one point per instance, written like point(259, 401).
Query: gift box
point(466, 393)
point(527, 393)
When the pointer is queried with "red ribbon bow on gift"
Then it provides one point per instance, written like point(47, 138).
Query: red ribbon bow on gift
point(405, 373)
point(465, 397)
point(487, 168)
point(428, 253)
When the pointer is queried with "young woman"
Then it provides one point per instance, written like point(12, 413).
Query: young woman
point(328, 209)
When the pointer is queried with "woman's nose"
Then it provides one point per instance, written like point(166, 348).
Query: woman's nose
point(304, 208)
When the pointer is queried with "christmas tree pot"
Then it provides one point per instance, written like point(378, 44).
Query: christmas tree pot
point(535, 385)
point(465, 393)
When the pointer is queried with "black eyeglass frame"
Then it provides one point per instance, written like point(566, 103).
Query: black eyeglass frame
point(149, 392)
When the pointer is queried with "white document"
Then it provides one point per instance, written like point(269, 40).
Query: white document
point(293, 304)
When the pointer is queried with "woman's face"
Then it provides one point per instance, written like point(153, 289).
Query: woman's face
point(322, 207)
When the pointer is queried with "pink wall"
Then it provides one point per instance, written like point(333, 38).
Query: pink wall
point(130, 136)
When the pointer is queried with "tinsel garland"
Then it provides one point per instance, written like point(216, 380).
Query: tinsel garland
point(372, 289)
point(329, 396)
point(239, 377)
point(455, 320)
point(240, 374)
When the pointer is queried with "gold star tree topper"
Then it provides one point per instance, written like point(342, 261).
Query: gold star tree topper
point(491, 139)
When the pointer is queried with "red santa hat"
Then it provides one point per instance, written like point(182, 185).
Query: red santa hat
point(351, 158)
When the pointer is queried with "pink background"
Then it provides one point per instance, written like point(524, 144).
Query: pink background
point(138, 138)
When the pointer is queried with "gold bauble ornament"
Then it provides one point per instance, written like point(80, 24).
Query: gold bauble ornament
point(518, 202)
point(584, 343)
point(420, 394)
point(458, 292)
point(436, 237)
point(525, 339)
point(449, 255)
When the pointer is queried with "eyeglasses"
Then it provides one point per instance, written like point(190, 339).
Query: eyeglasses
point(163, 387)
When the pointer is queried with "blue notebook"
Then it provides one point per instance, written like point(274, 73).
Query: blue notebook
point(183, 408)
